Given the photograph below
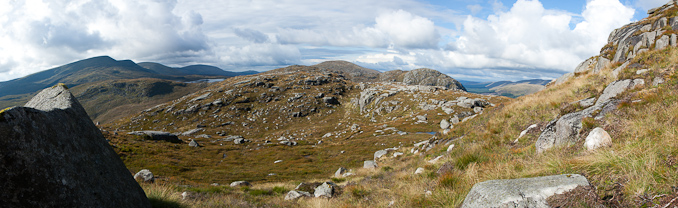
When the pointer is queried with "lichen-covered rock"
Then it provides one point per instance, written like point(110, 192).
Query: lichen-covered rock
point(522, 192)
point(56, 157)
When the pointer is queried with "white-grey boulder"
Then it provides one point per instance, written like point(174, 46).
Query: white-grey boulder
point(379, 154)
point(240, 183)
point(144, 175)
point(419, 171)
point(522, 192)
point(370, 164)
point(340, 172)
point(292, 195)
point(444, 124)
point(598, 138)
point(324, 190)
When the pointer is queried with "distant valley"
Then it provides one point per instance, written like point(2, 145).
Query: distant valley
point(506, 88)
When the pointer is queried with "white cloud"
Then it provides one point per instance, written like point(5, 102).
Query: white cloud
point(530, 36)
point(395, 28)
point(38, 34)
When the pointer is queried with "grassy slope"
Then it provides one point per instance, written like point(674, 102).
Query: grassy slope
point(636, 171)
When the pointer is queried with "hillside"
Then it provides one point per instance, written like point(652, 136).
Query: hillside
point(110, 100)
point(295, 134)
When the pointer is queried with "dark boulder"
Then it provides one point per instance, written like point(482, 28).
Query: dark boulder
point(52, 155)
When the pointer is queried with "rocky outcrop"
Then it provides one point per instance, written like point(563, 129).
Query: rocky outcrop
point(523, 192)
point(430, 77)
point(54, 156)
point(565, 130)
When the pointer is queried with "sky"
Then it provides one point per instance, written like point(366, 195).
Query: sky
point(476, 40)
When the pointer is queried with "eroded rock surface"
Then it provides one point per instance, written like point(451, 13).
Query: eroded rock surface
point(522, 192)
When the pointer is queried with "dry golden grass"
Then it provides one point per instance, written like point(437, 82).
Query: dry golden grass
point(641, 163)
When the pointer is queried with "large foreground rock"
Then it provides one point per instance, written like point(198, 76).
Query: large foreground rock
point(54, 156)
point(522, 192)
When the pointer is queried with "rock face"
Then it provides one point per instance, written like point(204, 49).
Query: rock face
point(54, 156)
point(430, 77)
point(598, 138)
point(523, 192)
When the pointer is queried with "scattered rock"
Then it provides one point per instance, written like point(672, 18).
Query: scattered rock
point(396, 154)
point(240, 184)
point(444, 124)
point(201, 97)
point(370, 164)
point(340, 172)
point(324, 190)
point(445, 168)
point(145, 176)
point(331, 100)
point(435, 160)
point(598, 138)
point(56, 157)
point(191, 132)
point(193, 143)
point(292, 195)
point(642, 71)
point(240, 140)
point(657, 81)
point(419, 171)
point(454, 120)
point(449, 149)
point(618, 87)
point(277, 161)
point(379, 154)
point(158, 135)
point(522, 133)
point(523, 192)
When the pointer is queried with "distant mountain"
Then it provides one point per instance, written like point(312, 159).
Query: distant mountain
point(192, 69)
point(106, 68)
point(506, 88)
